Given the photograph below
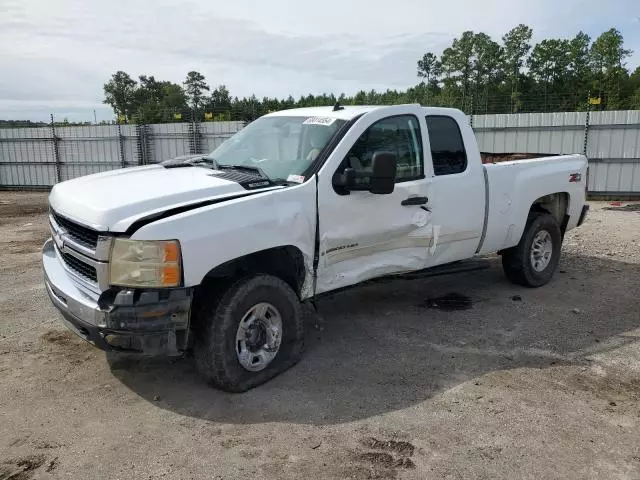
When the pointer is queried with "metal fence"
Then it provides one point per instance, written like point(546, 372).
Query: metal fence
point(39, 157)
point(610, 140)
point(42, 156)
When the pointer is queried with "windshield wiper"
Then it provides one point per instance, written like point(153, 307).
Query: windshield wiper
point(188, 161)
point(208, 160)
point(249, 168)
point(283, 182)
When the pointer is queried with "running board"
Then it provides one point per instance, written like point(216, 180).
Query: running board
point(448, 269)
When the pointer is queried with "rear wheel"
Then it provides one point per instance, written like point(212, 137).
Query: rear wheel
point(534, 260)
point(250, 334)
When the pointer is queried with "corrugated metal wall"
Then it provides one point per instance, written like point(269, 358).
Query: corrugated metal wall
point(169, 140)
point(31, 157)
point(92, 149)
point(43, 156)
point(612, 143)
point(214, 133)
point(27, 156)
point(613, 149)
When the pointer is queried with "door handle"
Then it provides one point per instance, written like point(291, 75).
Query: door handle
point(414, 201)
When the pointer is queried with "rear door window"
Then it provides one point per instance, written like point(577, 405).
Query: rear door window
point(447, 147)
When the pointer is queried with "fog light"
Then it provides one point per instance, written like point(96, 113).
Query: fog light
point(113, 340)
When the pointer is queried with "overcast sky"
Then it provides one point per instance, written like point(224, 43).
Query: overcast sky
point(55, 55)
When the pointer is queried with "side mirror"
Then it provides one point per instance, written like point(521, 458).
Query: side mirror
point(383, 173)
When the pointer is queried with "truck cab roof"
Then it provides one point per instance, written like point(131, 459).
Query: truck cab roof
point(348, 112)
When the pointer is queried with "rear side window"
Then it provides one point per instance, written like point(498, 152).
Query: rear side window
point(447, 148)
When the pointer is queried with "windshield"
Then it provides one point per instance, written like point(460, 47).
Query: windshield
point(279, 146)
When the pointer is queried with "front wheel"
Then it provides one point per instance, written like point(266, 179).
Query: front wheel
point(534, 260)
point(253, 333)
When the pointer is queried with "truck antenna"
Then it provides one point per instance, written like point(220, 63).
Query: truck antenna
point(337, 107)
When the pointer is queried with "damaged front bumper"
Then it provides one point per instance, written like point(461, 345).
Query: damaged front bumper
point(152, 322)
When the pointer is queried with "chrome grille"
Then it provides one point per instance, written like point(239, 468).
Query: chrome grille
point(83, 251)
point(80, 268)
point(81, 234)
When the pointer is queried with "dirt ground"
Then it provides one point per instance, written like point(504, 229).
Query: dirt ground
point(541, 383)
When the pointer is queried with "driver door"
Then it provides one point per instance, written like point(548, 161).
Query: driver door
point(365, 235)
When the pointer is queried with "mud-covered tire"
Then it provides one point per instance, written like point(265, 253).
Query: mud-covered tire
point(517, 261)
point(217, 325)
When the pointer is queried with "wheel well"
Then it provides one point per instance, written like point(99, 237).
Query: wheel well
point(286, 263)
point(556, 204)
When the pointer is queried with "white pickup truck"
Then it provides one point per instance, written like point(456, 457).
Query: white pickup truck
point(217, 252)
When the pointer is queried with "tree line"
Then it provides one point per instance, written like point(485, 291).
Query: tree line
point(475, 73)
point(553, 75)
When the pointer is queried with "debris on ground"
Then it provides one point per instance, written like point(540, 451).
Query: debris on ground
point(386, 460)
point(402, 448)
point(53, 464)
point(449, 302)
point(617, 206)
point(21, 468)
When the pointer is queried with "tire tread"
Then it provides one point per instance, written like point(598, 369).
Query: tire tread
point(213, 360)
point(515, 260)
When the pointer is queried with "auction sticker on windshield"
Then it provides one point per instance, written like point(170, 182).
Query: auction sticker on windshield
point(295, 178)
point(319, 121)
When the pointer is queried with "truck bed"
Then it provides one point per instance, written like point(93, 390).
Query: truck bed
point(514, 185)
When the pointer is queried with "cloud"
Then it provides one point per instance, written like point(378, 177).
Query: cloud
point(64, 50)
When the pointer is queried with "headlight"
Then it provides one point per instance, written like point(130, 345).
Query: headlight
point(143, 263)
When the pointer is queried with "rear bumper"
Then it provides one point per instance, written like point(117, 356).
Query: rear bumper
point(583, 214)
point(152, 322)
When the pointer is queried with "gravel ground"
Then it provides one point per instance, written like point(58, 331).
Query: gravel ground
point(543, 386)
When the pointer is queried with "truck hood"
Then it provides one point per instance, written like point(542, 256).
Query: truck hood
point(111, 201)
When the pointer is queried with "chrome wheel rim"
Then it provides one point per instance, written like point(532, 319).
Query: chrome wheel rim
point(541, 250)
point(259, 337)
